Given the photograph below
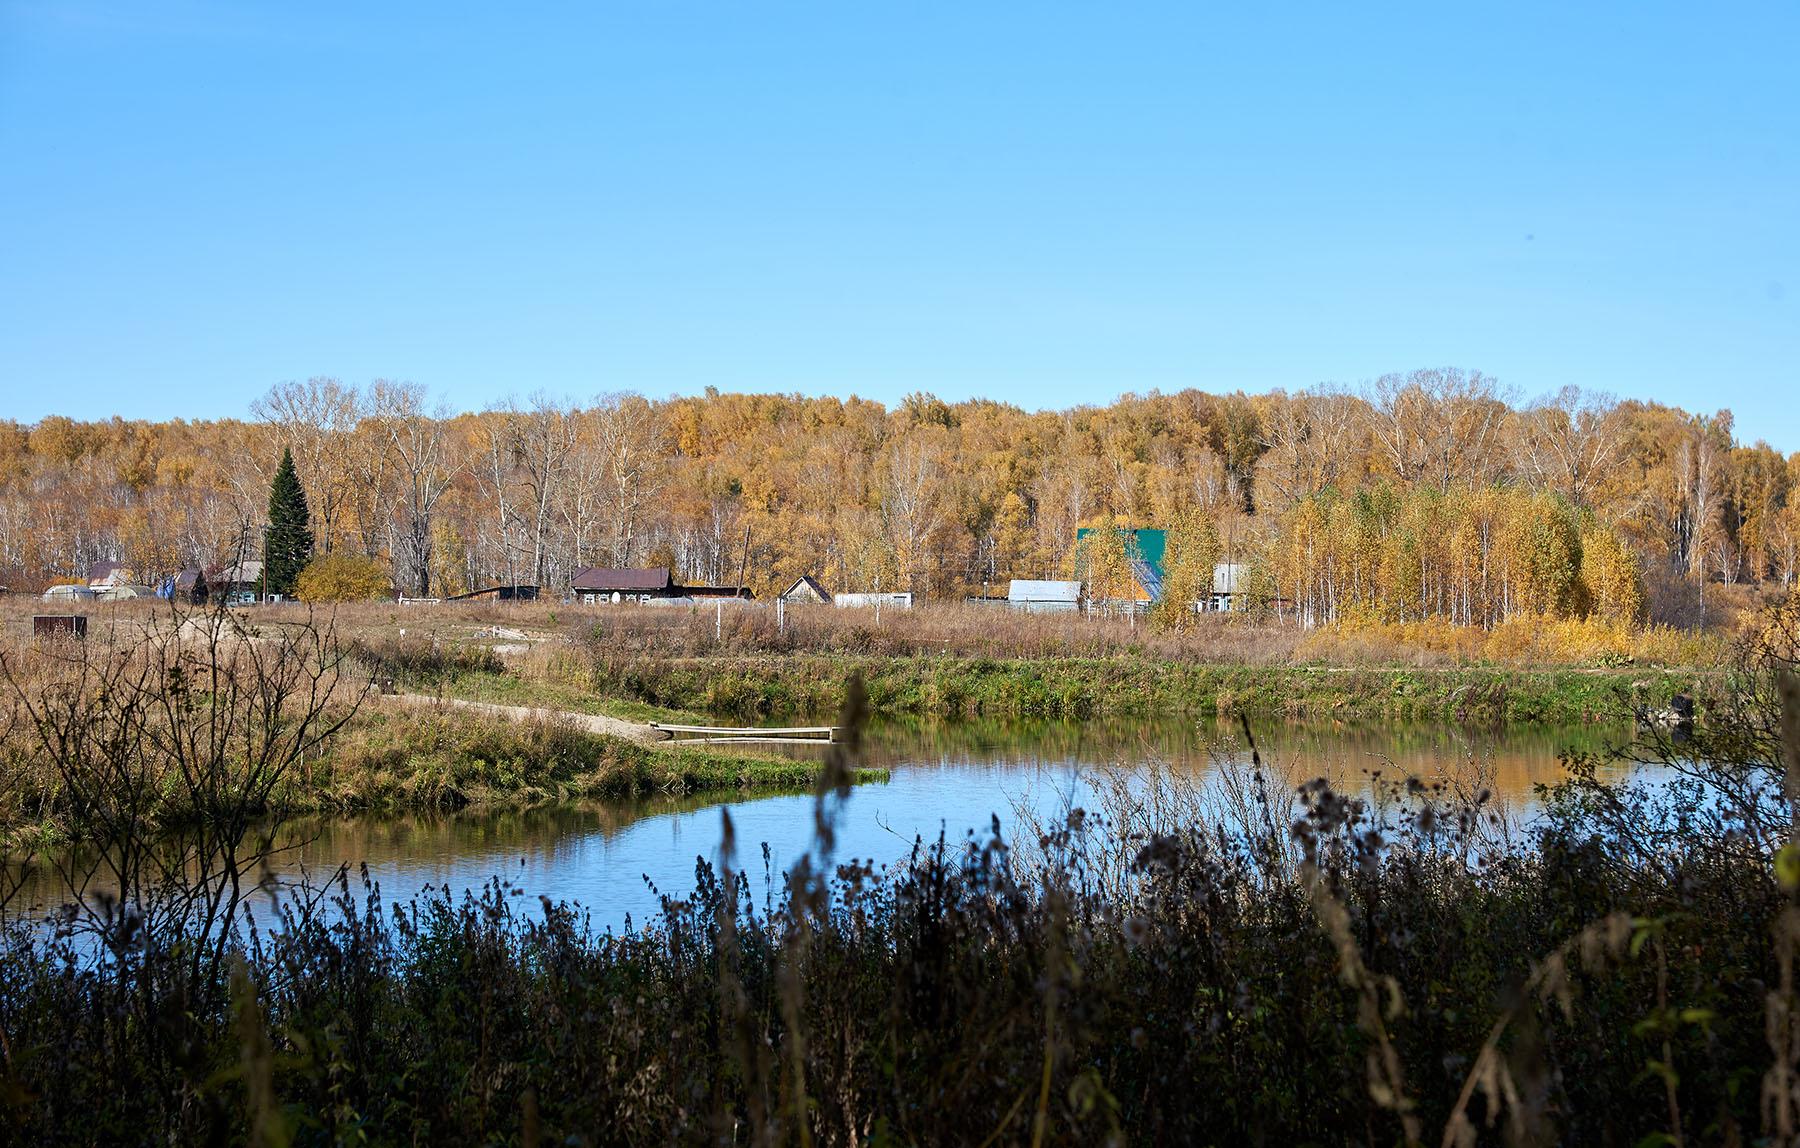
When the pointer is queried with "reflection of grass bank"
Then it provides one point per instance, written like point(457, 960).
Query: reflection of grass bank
point(392, 760)
point(796, 685)
point(447, 759)
point(379, 837)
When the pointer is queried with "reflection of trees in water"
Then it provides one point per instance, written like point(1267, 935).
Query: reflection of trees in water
point(326, 842)
point(320, 844)
point(1516, 758)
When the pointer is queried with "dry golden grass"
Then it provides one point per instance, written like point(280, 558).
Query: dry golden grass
point(534, 637)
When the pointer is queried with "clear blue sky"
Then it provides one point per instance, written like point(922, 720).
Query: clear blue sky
point(1047, 204)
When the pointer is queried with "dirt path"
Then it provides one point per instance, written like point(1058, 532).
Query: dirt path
point(592, 723)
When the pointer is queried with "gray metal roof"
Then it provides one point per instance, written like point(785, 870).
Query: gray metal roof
point(1031, 590)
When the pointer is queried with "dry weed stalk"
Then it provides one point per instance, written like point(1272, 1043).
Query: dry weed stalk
point(1781, 1085)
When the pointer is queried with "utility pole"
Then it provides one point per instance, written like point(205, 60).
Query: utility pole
point(743, 560)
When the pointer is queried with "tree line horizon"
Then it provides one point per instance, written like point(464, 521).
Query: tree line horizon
point(1430, 494)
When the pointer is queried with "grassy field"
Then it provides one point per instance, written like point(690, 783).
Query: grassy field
point(947, 687)
point(675, 664)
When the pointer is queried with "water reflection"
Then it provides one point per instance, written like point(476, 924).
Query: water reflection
point(949, 777)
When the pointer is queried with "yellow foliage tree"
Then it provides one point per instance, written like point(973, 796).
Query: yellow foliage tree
point(1614, 586)
point(1102, 562)
point(342, 577)
point(1192, 554)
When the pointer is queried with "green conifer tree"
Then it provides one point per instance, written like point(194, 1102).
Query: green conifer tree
point(290, 541)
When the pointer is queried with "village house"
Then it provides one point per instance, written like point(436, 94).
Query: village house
point(1144, 550)
point(240, 583)
point(1229, 581)
point(622, 584)
point(646, 584)
point(110, 573)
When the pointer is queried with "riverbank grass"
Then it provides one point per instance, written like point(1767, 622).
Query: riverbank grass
point(792, 686)
point(426, 758)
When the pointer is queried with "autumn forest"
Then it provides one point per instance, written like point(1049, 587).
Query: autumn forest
point(1433, 494)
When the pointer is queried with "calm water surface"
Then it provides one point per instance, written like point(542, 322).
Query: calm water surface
point(953, 778)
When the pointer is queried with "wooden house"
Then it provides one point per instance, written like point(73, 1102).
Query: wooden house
point(241, 583)
point(622, 584)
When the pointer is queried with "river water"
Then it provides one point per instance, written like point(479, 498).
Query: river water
point(615, 859)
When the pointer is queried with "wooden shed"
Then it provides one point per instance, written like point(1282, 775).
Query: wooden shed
point(807, 589)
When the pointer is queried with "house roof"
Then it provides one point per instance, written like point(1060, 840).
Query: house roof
point(247, 571)
point(628, 578)
point(189, 578)
point(812, 584)
point(1148, 579)
point(1031, 590)
point(520, 591)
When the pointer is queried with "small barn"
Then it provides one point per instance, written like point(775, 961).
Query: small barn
point(1036, 596)
point(188, 587)
point(711, 592)
point(806, 589)
point(497, 594)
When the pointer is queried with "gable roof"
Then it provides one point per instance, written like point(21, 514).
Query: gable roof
point(108, 572)
point(244, 573)
point(632, 578)
point(812, 584)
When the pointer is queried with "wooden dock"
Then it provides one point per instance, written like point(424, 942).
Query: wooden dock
point(779, 735)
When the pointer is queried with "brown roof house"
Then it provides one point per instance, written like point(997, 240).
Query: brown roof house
point(110, 574)
point(623, 584)
point(241, 584)
point(642, 584)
